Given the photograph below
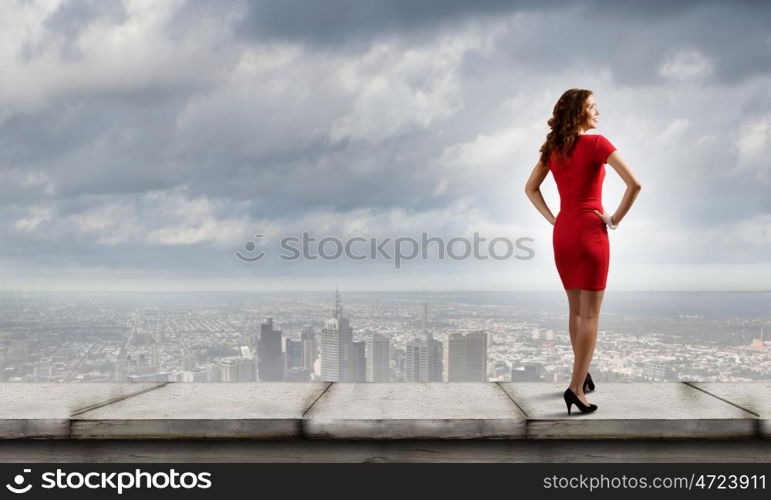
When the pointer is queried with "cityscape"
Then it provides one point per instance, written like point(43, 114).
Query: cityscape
point(377, 337)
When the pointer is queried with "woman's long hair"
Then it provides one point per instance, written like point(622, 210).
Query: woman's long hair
point(567, 116)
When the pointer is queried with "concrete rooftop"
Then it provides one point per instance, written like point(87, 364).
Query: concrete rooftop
point(38, 418)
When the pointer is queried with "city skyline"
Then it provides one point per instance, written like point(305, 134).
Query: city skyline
point(216, 338)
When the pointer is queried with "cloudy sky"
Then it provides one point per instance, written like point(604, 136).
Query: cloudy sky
point(144, 143)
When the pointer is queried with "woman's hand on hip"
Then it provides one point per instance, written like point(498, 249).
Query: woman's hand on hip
point(606, 218)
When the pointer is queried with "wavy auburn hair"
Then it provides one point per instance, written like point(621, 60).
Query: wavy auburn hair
point(567, 116)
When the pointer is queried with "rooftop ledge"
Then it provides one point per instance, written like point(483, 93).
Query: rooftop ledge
point(381, 411)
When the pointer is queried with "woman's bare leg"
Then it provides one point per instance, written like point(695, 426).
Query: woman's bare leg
point(574, 309)
point(586, 339)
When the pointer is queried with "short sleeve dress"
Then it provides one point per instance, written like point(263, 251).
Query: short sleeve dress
point(580, 237)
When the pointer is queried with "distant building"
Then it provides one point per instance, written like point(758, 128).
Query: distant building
point(212, 372)
point(359, 358)
point(309, 348)
point(526, 372)
point(228, 370)
point(246, 369)
point(465, 357)
point(294, 354)
point(658, 372)
point(415, 361)
point(423, 357)
point(423, 361)
point(272, 360)
point(200, 375)
point(337, 347)
point(378, 358)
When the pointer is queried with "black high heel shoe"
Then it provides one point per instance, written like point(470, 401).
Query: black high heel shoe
point(588, 383)
point(572, 399)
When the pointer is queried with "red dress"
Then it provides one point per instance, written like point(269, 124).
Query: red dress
point(580, 237)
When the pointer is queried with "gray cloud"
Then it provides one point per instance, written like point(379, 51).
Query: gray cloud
point(163, 153)
point(348, 21)
point(64, 24)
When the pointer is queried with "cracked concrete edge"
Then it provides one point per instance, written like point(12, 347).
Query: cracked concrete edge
point(705, 391)
point(760, 431)
point(522, 411)
point(79, 411)
point(303, 430)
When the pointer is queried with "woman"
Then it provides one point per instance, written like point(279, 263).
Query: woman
point(580, 237)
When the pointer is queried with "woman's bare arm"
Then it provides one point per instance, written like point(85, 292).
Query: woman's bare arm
point(533, 191)
point(633, 186)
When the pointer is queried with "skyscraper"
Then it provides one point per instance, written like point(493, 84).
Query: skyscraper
point(416, 361)
point(272, 360)
point(378, 358)
point(337, 347)
point(294, 353)
point(309, 348)
point(465, 357)
point(423, 358)
point(359, 358)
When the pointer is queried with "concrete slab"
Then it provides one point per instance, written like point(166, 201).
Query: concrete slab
point(751, 396)
point(254, 410)
point(40, 410)
point(630, 411)
point(432, 410)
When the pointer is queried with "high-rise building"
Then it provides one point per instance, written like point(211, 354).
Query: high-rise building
point(337, 347)
point(294, 354)
point(272, 359)
point(359, 358)
point(423, 361)
point(465, 357)
point(416, 361)
point(378, 358)
point(309, 348)
point(423, 358)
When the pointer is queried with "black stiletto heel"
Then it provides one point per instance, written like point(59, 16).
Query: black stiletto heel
point(572, 399)
point(588, 383)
